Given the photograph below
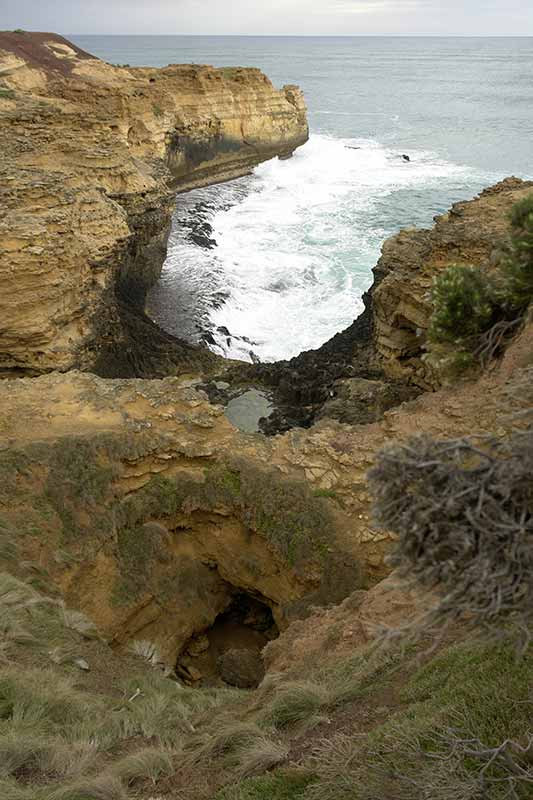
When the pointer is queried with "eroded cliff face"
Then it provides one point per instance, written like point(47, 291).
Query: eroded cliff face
point(471, 232)
point(377, 362)
point(145, 508)
point(92, 157)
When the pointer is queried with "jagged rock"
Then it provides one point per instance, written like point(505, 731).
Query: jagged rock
point(241, 668)
point(92, 157)
point(357, 401)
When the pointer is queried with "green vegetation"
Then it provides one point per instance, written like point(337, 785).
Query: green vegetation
point(462, 305)
point(282, 785)
point(517, 268)
point(7, 94)
point(230, 73)
point(286, 512)
point(474, 311)
point(475, 693)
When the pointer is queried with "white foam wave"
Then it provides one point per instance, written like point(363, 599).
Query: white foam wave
point(296, 252)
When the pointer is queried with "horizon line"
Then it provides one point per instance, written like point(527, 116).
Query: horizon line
point(318, 35)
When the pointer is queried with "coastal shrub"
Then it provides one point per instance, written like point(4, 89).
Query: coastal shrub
point(462, 305)
point(517, 266)
point(463, 513)
point(7, 94)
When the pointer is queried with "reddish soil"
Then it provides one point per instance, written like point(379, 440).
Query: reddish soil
point(32, 48)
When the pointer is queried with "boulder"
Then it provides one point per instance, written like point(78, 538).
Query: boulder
point(241, 668)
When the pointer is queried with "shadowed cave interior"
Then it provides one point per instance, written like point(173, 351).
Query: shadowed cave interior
point(229, 651)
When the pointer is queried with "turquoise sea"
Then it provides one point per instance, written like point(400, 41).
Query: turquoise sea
point(297, 240)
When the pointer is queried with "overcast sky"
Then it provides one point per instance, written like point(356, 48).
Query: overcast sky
point(316, 17)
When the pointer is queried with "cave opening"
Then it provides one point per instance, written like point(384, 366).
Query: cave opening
point(229, 651)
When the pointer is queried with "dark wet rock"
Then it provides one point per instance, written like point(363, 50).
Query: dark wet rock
point(302, 385)
point(208, 338)
point(241, 668)
point(357, 401)
point(132, 346)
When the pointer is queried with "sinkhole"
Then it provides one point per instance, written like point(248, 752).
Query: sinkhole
point(229, 651)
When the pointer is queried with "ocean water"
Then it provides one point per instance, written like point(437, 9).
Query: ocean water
point(293, 245)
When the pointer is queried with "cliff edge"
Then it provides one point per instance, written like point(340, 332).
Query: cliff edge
point(92, 158)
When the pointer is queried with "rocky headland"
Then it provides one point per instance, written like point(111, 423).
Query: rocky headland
point(151, 553)
point(92, 158)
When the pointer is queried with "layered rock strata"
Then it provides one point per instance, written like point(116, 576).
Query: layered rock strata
point(92, 157)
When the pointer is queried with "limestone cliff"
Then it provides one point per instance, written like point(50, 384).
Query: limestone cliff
point(92, 157)
point(471, 232)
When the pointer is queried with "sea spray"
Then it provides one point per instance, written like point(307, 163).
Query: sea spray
point(288, 251)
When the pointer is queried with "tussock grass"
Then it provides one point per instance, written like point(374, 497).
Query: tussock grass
point(10, 789)
point(21, 752)
point(41, 698)
point(227, 739)
point(146, 650)
point(159, 708)
point(79, 622)
point(475, 691)
point(105, 787)
point(149, 763)
point(259, 756)
point(296, 705)
point(157, 716)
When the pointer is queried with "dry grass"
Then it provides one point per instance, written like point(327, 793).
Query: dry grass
point(149, 763)
point(296, 705)
point(260, 756)
point(105, 787)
